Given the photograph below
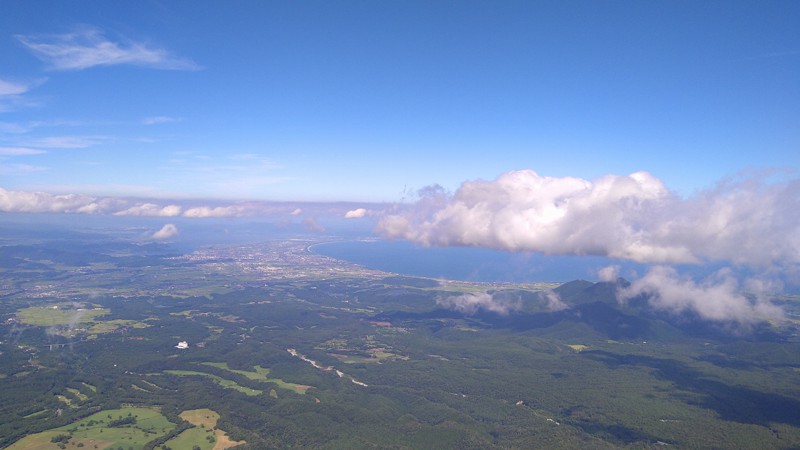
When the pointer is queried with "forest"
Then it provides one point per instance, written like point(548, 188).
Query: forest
point(345, 357)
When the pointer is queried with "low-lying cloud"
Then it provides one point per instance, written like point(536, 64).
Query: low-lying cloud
point(633, 217)
point(718, 297)
point(503, 303)
point(43, 202)
point(21, 201)
point(150, 209)
point(471, 303)
point(750, 224)
point(355, 213)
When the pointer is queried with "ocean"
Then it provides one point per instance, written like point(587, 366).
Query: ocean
point(470, 263)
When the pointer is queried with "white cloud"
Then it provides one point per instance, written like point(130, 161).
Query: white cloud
point(156, 120)
point(19, 151)
point(19, 169)
point(150, 209)
point(553, 301)
point(355, 213)
point(219, 211)
point(167, 231)
point(28, 201)
point(20, 201)
point(65, 142)
point(470, 303)
point(630, 217)
point(717, 298)
point(12, 95)
point(608, 273)
point(88, 47)
point(9, 88)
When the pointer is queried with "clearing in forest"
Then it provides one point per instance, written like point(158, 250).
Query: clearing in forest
point(127, 427)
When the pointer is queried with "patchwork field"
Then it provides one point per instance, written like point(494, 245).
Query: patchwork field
point(60, 314)
point(204, 434)
point(125, 427)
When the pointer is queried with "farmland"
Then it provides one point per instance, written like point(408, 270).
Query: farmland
point(290, 349)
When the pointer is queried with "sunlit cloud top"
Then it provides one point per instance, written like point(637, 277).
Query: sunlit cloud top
point(635, 217)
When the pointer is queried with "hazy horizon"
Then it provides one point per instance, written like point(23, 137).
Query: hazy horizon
point(655, 134)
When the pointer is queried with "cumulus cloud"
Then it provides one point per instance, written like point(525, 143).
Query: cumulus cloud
point(218, 211)
point(717, 298)
point(167, 231)
point(34, 202)
point(89, 47)
point(470, 303)
point(608, 273)
point(633, 217)
point(150, 209)
point(20, 201)
point(355, 213)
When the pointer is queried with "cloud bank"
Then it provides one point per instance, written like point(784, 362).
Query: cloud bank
point(633, 217)
point(89, 47)
point(750, 224)
point(43, 202)
point(21, 201)
point(718, 298)
point(150, 209)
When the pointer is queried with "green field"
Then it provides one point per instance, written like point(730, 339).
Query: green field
point(191, 437)
point(221, 381)
point(80, 395)
point(108, 326)
point(59, 314)
point(598, 374)
point(95, 431)
point(204, 434)
point(261, 374)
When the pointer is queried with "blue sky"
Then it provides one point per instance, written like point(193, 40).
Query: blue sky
point(370, 100)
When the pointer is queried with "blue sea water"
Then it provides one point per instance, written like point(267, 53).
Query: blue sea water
point(469, 263)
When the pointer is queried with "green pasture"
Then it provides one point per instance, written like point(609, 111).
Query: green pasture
point(230, 384)
point(191, 437)
point(59, 314)
point(108, 326)
point(261, 374)
point(94, 431)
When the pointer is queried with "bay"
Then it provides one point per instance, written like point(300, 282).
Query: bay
point(470, 263)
